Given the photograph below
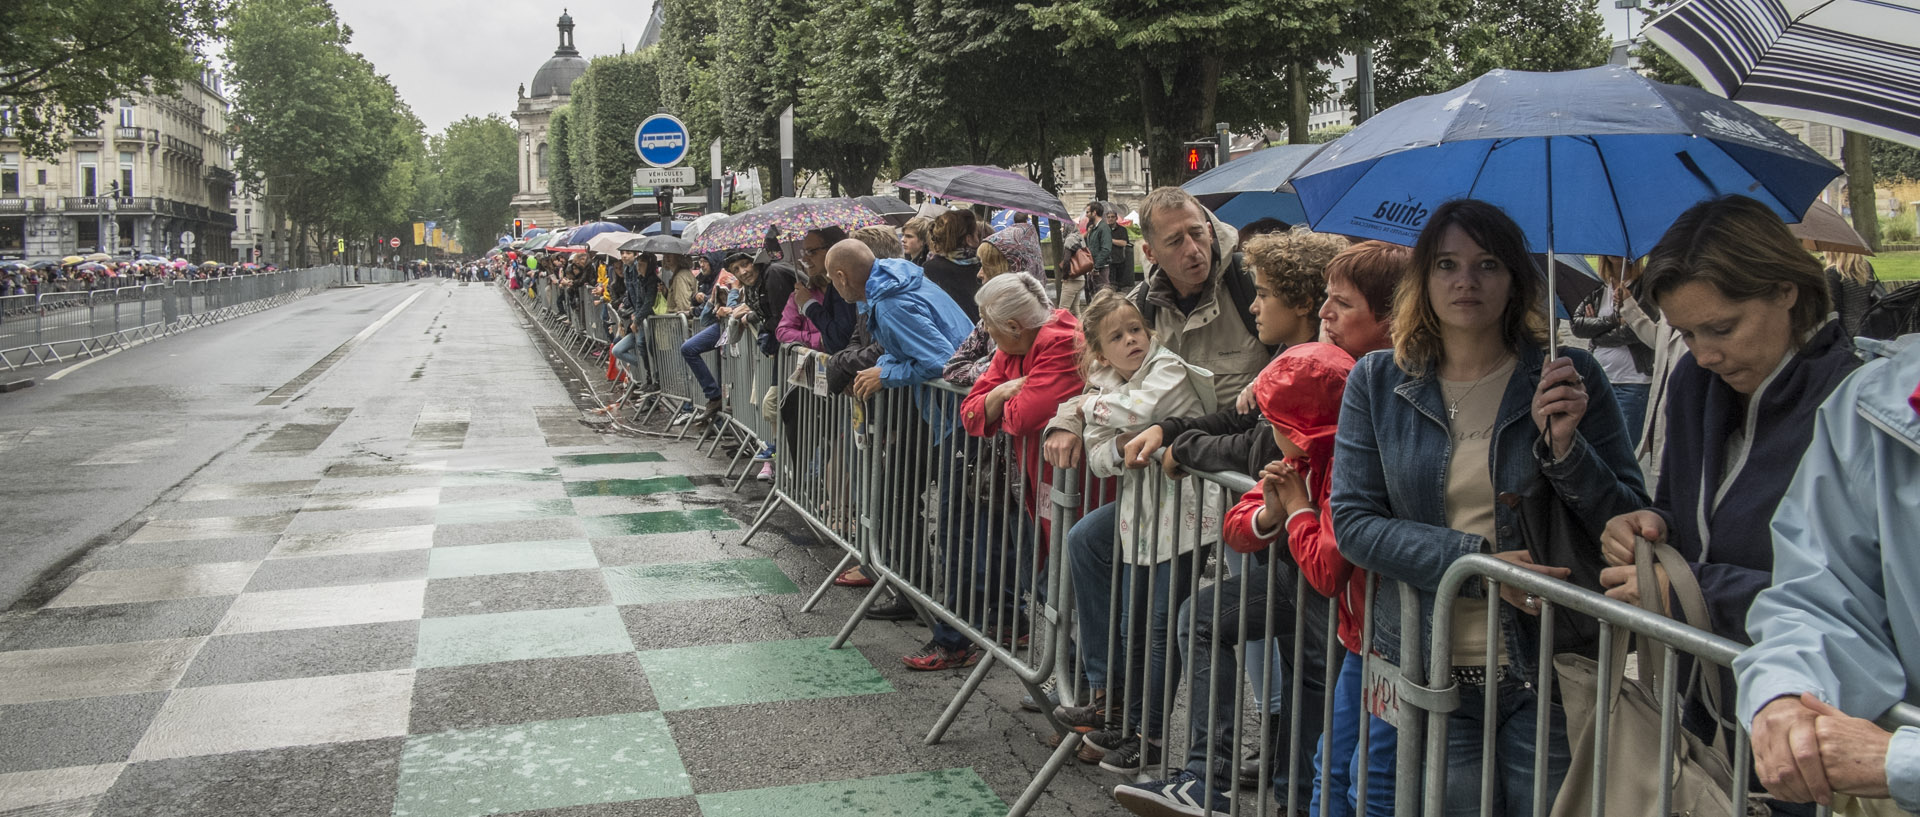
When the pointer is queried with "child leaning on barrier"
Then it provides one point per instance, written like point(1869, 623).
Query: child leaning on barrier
point(1136, 382)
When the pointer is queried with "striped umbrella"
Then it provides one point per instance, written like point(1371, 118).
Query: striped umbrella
point(1853, 64)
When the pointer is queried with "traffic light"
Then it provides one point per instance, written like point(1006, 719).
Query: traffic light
point(1199, 157)
point(518, 226)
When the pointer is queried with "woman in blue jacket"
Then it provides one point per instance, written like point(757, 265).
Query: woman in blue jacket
point(1437, 437)
point(1764, 351)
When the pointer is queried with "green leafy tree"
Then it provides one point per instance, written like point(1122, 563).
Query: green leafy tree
point(689, 37)
point(1468, 39)
point(479, 174)
point(1893, 161)
point(560, 186)
point(609, 101)
point(758, 70)
point(1655, 62)
point(61, 63)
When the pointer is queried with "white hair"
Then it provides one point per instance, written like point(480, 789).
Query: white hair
point(1016, 297)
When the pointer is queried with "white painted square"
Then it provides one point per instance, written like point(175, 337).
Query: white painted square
point(56, 791)
point(93, 671)
point(373, 500)
point(325, 607)
point(372, 540)
point(274, 714)
point(156, 584)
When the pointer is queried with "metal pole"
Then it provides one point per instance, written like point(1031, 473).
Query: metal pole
point(1225, 150)
point(713, 177)
point(786, 151)
point(1363, 83)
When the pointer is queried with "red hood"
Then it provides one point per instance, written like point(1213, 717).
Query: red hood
point(1300, 391)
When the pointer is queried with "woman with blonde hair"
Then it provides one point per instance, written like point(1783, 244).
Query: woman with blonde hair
point(954, 265)
point(1853, 287)
point(1468, 407)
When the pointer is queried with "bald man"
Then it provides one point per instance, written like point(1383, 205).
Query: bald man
point(917, 324)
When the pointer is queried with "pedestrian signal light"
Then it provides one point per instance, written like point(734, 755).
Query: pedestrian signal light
point(1199, 156)
point(517, 227)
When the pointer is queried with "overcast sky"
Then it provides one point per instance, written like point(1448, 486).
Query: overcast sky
point(453, 58)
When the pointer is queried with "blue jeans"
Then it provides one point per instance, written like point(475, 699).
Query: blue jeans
point(629, 350)
point(1345, 771)
point(1633, 406)
point(706, 340)
point(1090, 568)
point(1514, 750)
point(1214, 637)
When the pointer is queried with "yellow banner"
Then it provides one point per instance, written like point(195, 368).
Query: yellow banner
point(419, 233)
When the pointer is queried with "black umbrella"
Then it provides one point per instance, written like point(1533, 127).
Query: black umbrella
point(895, 211)
point(991, 186)
point(659, 245)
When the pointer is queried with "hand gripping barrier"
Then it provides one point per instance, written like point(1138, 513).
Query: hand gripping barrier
point(54, 327)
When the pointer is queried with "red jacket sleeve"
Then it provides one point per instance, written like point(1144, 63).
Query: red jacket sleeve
point(973, 411)
point(1053, 377)
point(1310, 538)
point(1238, 529)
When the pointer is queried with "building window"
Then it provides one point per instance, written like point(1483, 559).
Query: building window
point(89, 169)
point(126, 113)
point(40, 178)
point(541, 160)
point(246, 220)
point(12, 235)
point(89, 233)
point(1114, 163)
point(126, 173)
point(9, 174)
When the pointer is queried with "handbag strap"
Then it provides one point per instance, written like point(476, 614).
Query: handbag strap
point(1693, 613)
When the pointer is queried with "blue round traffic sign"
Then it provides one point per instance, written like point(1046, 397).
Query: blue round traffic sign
point(662, 140)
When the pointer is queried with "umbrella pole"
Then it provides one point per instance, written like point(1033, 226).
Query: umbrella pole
point(1553, 321)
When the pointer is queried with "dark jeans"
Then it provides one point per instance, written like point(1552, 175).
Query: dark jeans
point(706, 340)
point(1513, 746)
point(1633, 405)
point(1216, 676)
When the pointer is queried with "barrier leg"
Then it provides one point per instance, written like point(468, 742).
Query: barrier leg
point(1069, 745)
point(845, 562)
point(859, 614)
point(960, 699)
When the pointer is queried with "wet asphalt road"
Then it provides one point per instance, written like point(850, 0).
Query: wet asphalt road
point(150, 497)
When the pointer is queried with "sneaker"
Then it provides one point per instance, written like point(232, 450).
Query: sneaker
point(1049, 688)
point(899, 609)
point(1091, 716)
point(1108, 740)
point(935, 657)
point(1184, 794)
point(1136, 756)
point(766, 472)
point(765, 454)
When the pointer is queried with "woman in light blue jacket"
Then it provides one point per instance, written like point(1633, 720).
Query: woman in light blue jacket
point(1839, 629)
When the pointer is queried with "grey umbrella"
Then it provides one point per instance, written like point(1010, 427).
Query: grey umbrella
point(991, 186)
point(659, 245)
point(895, 211)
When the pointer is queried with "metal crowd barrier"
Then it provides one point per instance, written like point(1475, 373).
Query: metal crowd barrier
point(57, 326)
point(819, 473)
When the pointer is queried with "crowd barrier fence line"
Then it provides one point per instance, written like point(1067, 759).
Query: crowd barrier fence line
point(950, 522)
point(55, 327)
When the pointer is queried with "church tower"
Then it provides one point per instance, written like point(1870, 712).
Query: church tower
point(552, 86)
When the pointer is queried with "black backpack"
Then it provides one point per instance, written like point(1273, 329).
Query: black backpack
point(1896, 314)
point(1240, 288)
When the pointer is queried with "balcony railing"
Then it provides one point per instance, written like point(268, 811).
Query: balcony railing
point(125, 134)
point(20, 205)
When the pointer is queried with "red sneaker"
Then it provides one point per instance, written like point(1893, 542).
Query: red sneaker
point(935, 657)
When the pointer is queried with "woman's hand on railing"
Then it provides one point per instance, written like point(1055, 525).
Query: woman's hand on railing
point(1143, 445)
point(1521, 599)
point(1063, 449)
point(1623, 583)
point(1616, 541)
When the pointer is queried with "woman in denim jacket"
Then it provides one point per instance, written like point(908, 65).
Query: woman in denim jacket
point(1437, 440)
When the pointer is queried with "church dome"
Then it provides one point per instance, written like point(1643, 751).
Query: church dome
point(556, 76)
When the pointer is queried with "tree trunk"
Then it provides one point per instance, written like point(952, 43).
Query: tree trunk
point(1174, 117)
point(1100, 182)
point(1297, 108)
point(1857, 154)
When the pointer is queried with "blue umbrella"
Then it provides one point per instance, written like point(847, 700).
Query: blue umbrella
point(1597, 161)
point(1003, 219)
point(654, 228)
point(581, 234)
point(1253, 186)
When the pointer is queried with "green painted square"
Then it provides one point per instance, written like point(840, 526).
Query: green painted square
point(457, 513)
point(630, 487)
point(947, 792)
point(577, 460)
point(467, 479)
point(726, 578)
point(635, 524)
point(510, 557)
point(734, 674)
point(495, 637)
point(540, 765)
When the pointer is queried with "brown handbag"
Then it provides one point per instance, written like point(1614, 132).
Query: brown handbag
point(1079, 263)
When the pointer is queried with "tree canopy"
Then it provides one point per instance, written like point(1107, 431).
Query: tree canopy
point(62, 63)
point(478, 175)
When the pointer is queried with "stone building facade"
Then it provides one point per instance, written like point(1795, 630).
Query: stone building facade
point(551, 88)
point(155, 176)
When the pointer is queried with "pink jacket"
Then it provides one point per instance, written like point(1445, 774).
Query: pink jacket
point(795, 328)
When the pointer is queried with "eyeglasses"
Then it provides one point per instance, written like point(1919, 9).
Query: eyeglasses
point(812, 250)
